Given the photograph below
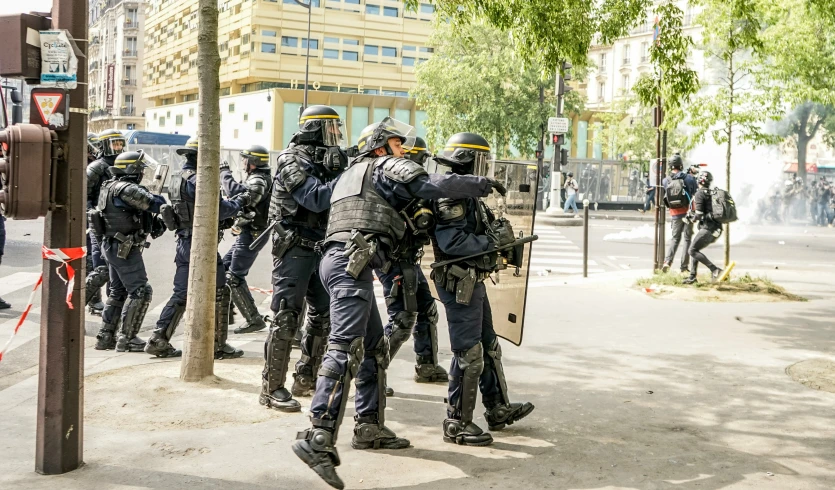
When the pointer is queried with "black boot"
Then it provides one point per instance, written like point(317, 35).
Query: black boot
point(303, 384)
point(426, 371)
point(4, 305)
point(280, 400)
point(316, 449)
point(502, 415)
point(106, 338)
point(226, 351)
point(455, 431)
point(368, 434)
point(135, 344)
point(159, 346)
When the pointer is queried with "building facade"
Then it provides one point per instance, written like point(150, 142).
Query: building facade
point(115, 56)
point(362, 59)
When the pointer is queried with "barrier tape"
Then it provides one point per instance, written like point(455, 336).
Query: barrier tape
point(262, 291)
point(63, 255)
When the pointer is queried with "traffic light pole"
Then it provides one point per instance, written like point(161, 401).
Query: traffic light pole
point(555, 204)
point(61, 365)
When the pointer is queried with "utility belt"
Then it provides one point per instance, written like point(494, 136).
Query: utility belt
point(291, 238)
point(458, 280)
point(128, 243)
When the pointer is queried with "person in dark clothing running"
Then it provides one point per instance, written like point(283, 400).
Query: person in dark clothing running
point(709, 230)
point(678, 211)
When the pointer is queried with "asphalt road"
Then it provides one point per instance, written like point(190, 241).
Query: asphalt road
point(615, 246)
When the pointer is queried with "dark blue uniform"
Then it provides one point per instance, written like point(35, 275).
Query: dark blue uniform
point(96, 175)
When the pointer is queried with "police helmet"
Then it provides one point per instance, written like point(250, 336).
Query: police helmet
point(676, 162)
point(468, 153)
point(571, 174)
point(112, 142)
point(418, 153)
point(377, 135)
point(129, 164)
point(320, 125)
point(705, 178)
point(255, 155)
point(191, 147)
point(93, 149)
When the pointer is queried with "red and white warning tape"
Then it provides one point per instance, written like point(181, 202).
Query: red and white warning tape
point(63, 255)
point(262, 291)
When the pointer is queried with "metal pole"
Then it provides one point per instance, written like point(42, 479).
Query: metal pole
point(59, 439)
point(662, 229)
point(585, 238)
point(555, 206)
point(656, 266)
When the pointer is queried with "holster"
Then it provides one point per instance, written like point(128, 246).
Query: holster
point(281, 245)
point(96, 222)
point(405, 284)
point(359, 253)
point(125, 245)
point(169, 217)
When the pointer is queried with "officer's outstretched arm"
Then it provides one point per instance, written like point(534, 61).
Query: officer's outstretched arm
point(139, 198)
point(450, 231)
point(230, 186)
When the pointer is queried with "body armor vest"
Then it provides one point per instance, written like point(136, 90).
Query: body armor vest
point(263, 207)
point(126, 221)
point(356, 205)
point(100, 169)
point(283, 206)
point(184, 210)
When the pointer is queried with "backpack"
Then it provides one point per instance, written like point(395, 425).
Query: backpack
point(723, 207)
point(677, 197)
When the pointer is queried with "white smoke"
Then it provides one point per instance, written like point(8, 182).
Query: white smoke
point(739, 233)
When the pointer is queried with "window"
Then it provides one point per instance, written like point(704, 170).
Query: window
point(268, 47)
point(371, 50)
point(314, 43)
point(331, 54)
point(352, 2)
point(624, 81)
point(179, 120)
point(246, 117)
point(601, 91)
point(424, 49)
point(245, 40)
point(372, 9)
point(626, 55)
point(315, 3)
point(351, 42)
point(350, 56)
point(162, 122)
point(259, 125)
point(129, 101)
point(408, 61)
point(391, 52)
point(268, 33)
point(235, 134)
point(644, 52)
point(409, 48)
point(391, 11)
point(331, 40)
point(427, 8)
point(191, 112)
point(292, 42)
point(602, 62)
point(231, 108)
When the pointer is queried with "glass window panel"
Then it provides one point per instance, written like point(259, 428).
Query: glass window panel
point(292, 42)
point(370, 49)
point(408, 48)
point(359, 120)
point(331, 54)
point(314, 43)
point(408, 61)
point(350, 56)
point(372, 9)
point(268, 33)
point(291, 122)
point(389, 51)
point(381, 113)
point(268, 47)
point(331, 40)
point(420, 123)
point(351, 42)
point(391, 11)
point(426, 8)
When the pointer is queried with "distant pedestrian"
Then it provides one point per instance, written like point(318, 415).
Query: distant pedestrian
point(650, 195)
point(571, 190)
point(680, 188)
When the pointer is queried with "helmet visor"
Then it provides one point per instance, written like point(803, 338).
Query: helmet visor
point(406, 132)
point(482, 164)
point(332, 133)
point(113, 146)
point(154, 175)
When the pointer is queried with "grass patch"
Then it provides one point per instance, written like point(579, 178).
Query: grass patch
point(741, 284)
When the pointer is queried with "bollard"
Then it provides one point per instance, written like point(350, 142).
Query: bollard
point(585, 238)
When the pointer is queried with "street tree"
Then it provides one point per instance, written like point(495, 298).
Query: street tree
point(731, 109)
point(476, 82)
point(198, 348)
point(799, 72)
point(544, 32)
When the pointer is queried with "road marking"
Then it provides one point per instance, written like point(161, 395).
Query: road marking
point(616, 257)
point(556, 254)
point(822, 265)
point(541, 262)
point(18, 280)
point(775, 263)
point(566, 270)
point(28, 331)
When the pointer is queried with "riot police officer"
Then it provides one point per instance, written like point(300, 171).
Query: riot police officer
point(109, 144)
point(467, 227)
point(239, 259)
point(179, 216)
point(364, 227)
point(122, 220)
point(411, 307)
point(300, 215)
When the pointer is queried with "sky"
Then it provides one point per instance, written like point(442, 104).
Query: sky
point(10, 7)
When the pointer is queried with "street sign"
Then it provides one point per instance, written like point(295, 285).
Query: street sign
point(51, 105)
point(558, 125)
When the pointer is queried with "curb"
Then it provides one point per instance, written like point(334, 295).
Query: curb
point(596, 216)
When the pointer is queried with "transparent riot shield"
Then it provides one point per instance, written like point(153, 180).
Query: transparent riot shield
point(155, 176)
point(509, 293)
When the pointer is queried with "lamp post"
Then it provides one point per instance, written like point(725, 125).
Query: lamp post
point(309, 7)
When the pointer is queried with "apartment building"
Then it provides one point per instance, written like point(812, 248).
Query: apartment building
point(363, 55)
point(115, 58)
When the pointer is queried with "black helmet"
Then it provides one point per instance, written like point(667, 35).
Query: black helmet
point(705, 178)
point(571, 174)
point(418, 153)
point(191, 147)
point(129, 164)
point(676, 162)
point(320, 125)
point(93, 149)
point(257, 156)
point(111, 142)
point(467, 153)
point(377, 135)
point(695, 169)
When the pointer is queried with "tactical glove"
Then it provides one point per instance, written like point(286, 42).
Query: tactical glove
point(498, 186)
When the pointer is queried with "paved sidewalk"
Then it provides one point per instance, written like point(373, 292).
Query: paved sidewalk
point(631, 392)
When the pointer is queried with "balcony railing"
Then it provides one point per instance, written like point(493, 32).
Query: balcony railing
point(129, 53)
point(627, 61)
point(100, 113)
point(128, 111)
point(131, 24)
point(129, 82)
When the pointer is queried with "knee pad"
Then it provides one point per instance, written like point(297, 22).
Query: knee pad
point(380, 352)
point(144, 292)
point(432, 314)
point(285, 322)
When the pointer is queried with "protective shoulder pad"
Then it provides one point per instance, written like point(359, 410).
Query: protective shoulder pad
point(290, 172)
point(402, 170)
point(451, 209)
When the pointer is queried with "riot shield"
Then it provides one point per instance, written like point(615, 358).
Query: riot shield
point(509, 293)
point(155, 176)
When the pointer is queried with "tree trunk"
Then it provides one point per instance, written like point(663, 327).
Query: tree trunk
point(198, 349)
point(730, 126)
point(804, 115)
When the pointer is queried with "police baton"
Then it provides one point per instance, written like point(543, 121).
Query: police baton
point(264, 235)
point(519, 241)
